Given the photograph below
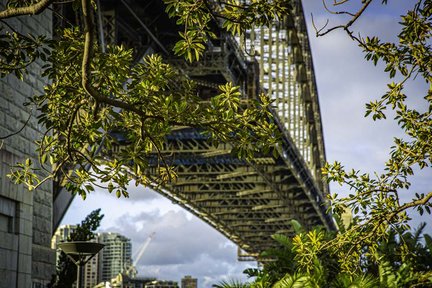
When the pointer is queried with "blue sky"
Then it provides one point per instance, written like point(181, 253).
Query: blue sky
point(185, 245)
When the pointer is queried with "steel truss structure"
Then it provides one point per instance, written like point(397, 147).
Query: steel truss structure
point(246, 201)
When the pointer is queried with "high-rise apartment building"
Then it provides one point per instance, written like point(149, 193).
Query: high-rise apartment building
point(115, 257)
point(90, 277)
point(189, 282)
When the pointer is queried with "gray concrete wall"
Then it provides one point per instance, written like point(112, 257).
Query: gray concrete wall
point(26, 259)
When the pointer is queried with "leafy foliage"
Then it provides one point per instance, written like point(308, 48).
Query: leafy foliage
point(377, 201)
point(301, 262)
point(19, 51)
point(95, 96)
point(237, 16)
point(88, 103)
point(377, 249)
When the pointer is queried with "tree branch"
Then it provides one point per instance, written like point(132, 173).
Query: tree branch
point(28, 10)
point(335, 3)
point(336, 12)
point(18, 131)
point(85, 66)
point(347, 25)
point(422, 201)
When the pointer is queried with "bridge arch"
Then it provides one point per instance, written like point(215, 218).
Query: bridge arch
point(246, 201)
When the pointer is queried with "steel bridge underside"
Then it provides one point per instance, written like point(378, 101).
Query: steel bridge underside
point(246, 201)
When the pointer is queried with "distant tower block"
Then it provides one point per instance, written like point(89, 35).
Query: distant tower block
point(189, 282)
point(115, 256)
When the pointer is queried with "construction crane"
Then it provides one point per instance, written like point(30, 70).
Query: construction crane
point(131, 270)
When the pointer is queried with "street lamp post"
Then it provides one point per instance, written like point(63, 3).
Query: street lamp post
point(80, 252)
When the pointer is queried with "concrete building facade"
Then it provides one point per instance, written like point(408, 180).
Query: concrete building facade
point(90, 277)
point(26, 258)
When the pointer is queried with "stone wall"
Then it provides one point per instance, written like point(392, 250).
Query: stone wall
point(26, 259)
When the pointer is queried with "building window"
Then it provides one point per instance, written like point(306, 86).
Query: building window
point(7, 215)
point(37, 285)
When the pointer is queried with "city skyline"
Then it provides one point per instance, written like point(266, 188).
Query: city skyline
point(113, 259)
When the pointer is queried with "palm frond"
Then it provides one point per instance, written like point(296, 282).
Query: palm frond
point(359, 281)
point(231, 284)
point(296, 280)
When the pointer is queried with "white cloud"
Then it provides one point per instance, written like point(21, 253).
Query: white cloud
point(182, 244)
